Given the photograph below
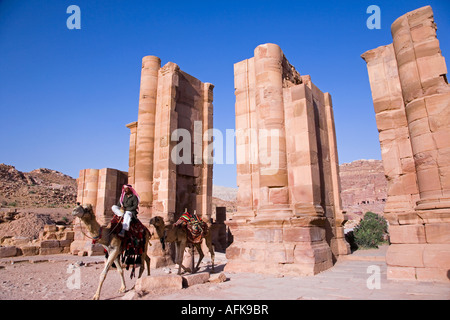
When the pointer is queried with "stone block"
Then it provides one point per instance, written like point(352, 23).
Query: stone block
point(391, 119)
point(268, 235)
point(50, 228)
point(401, 273)
point(436, 256)
point(409, 218)
point(233, 252)
point(405, 255)
point(218, 278)
point(431, 67)
point(437, 232)
point(307, 234)
point(9, 251)
point(51, 250)
point(312, 254)
point(147, 284)
point(433, 274)
point(196, 278)
point(30, 250)
point(429, 179)
point(68, 235)
point(278, 195)
point(65, 243)
point(407, 233)
point(50, 244)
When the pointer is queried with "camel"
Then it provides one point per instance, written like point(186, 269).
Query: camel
point(178, 235)
point(111, 242)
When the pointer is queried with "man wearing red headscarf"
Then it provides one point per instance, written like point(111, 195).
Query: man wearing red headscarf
point(127, 207)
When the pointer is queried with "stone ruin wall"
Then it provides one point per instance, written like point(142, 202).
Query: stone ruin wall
point(289, 218)
point(411, 98)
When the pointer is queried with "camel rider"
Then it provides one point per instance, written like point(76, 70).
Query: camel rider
point(127, 207)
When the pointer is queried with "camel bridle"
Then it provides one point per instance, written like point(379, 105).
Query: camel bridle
point(94, 239)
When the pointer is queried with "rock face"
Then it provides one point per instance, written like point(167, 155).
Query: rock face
point(38, 188)
point(411, 98)
point(363, 187)
point(289, 218)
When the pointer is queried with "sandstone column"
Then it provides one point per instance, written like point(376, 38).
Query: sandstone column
point(426, 95)
point(246, 140)
point(164, 175)
point(146, 132)
point(270, 117)
point(341, 246)
point(204, 203)
point(411, 99)
point(396, 151)
point(304, 180)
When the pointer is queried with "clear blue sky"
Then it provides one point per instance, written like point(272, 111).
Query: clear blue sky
point(66, 95)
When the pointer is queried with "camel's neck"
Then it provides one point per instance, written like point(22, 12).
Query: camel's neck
point(92, 225)
point(160, 231)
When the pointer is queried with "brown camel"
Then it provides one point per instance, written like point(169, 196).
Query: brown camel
point(111, 242)
point(178, 235)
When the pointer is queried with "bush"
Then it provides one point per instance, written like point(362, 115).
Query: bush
point(370, 231)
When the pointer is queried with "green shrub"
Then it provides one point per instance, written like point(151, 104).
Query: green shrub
point(370, 231)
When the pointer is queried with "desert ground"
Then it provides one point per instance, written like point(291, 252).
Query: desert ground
point(51, 278)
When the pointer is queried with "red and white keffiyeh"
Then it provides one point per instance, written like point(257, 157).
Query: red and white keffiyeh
point(123, 193)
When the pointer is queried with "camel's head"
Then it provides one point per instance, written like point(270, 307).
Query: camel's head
point(81, 211)
point(157, 221)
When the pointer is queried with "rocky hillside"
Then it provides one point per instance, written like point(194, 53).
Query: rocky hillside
point(38, 188)
point(363, 186)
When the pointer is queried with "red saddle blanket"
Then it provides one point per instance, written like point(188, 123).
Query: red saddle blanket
point(196, 228)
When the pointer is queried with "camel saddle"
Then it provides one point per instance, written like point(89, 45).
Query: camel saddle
point(133, 243)
point(196, 228)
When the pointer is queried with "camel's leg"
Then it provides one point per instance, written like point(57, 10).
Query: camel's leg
point(201, 255)
point(179, 252)
point(193, 258)
point(145, 259)
point(180, 246)
point(120, 270)
point(210, 246)
point(112, 256)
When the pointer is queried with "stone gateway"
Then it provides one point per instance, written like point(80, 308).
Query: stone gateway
point(289, 218)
